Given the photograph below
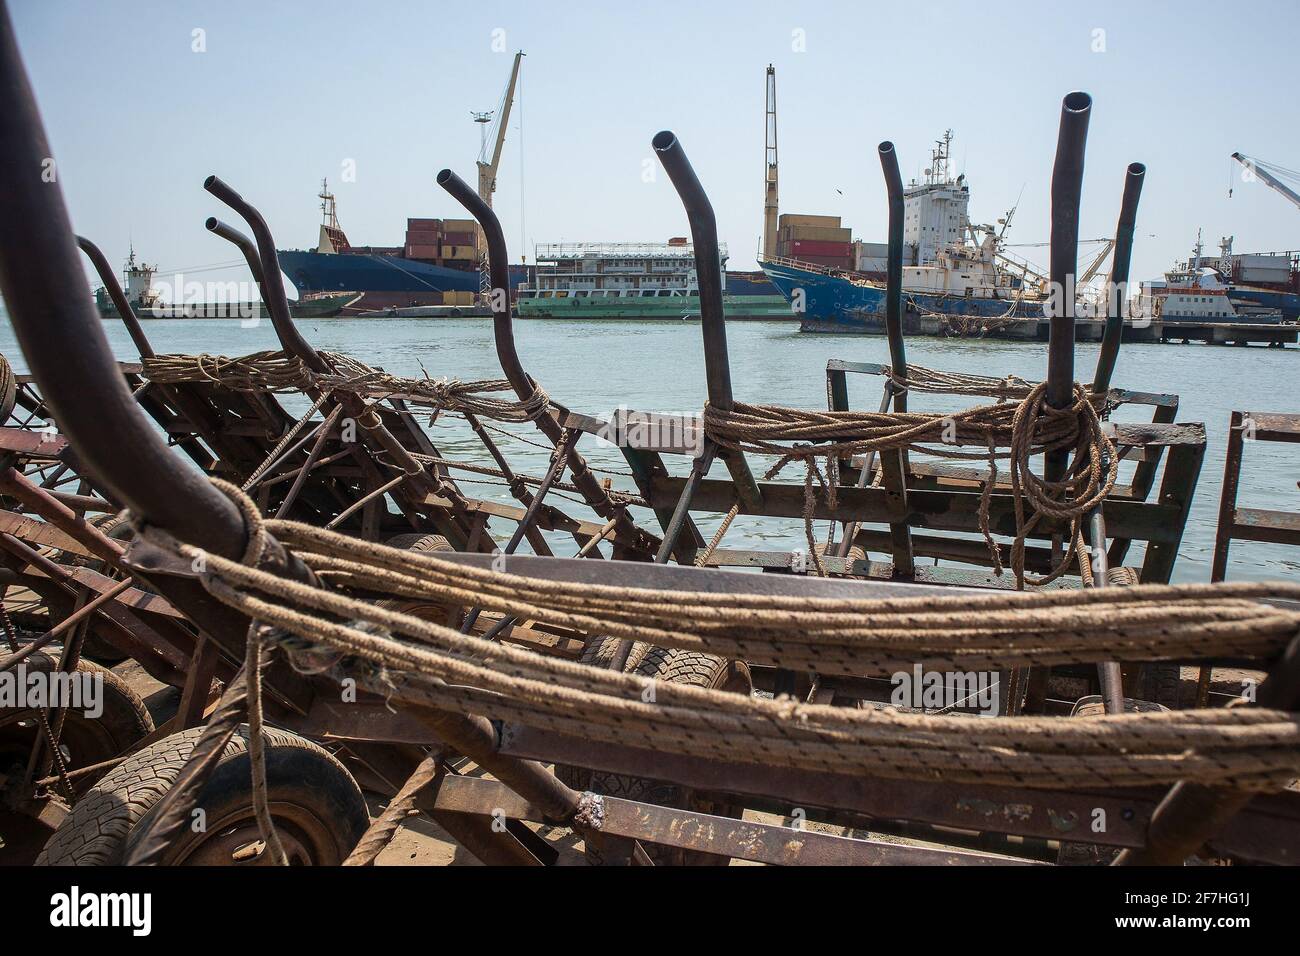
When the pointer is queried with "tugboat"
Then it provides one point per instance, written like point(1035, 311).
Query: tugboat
point(147, 302)
point(138, 287)
point(1253, 289)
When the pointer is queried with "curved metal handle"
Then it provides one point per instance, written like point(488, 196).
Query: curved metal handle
point(1119, 268)
point(270, 279)
point(1067, 187)
point(894, 268)
point(708, 265)
point(499, 269)
point(106, 276)
point(64, 342)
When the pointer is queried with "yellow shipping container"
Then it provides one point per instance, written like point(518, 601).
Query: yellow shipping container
point(818, 233)
point(790, 219)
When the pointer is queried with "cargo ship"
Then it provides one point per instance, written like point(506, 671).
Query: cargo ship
point(437, 264)
point(951, 267)
point(1252, 288)
point(630, 280)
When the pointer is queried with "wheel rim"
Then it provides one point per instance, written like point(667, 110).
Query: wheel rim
point(234, 840)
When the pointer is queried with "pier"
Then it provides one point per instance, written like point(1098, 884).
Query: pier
point(1273, 335)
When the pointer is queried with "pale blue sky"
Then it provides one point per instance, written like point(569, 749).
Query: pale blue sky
point(286, 92)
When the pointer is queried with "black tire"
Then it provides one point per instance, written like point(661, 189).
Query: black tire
point(425, 610)
point(677, 667)
point(419, 542)
point(316, 805)
point(598, 653)
point(1162, 683)
point(84, 741)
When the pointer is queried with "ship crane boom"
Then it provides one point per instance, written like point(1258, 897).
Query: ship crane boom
point(770, 202)
point(487, 166)
point(1267, 172)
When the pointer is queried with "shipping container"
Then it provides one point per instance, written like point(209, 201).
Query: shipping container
point(459, 238)
point(460, 225)
point(835, 262)
point(824, 233)
point(417, 251)
point(422, 237)
point(790, 219)
point(459, 253)
point(816, 247)
point(424, 225)
point(677, 241)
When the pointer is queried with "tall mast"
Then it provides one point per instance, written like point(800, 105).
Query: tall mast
point(770, 206)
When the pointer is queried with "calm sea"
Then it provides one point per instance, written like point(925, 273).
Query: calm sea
point(594, 367)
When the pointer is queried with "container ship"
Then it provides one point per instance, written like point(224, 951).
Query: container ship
point(437, 264)
point(624, 280)
point(951, 266)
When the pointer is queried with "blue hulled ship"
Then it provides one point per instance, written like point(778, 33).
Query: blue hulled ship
point(952, 269)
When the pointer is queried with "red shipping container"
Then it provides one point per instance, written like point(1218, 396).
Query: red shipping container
point(458, 238)
point(835, 262)
point(421, 251)
point(820, 247)
point(422, 237)
point(434, 225)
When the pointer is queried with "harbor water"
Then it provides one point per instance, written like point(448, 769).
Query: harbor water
point(594, 367)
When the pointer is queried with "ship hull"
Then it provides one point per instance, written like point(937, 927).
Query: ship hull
point(669, 308)
point(359, 272)
point(829, 303)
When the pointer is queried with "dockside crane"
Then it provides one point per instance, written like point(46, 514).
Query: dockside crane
point(1270, 173)
point(488, 164)
point(770, 206)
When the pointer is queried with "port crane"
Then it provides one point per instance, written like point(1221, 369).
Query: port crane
point(1272, 175)
point(770, 207)
point(488, 164)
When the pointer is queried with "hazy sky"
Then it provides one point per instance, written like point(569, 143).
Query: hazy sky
point(286, 93)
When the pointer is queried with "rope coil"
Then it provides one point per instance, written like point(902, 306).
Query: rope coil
point(1024, 428)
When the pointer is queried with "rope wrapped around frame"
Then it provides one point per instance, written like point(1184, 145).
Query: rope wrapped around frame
point(1024, 428)
point(279, 372)
point(340, 627)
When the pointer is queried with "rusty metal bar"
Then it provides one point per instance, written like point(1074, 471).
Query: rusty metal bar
point(109, 278)
point(86, 610)
point(503, 333)
point(1067, 186)
point(894, 268)
point(1119, 269)
point(322, 435)
point(271, 281)
point(708, 276)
